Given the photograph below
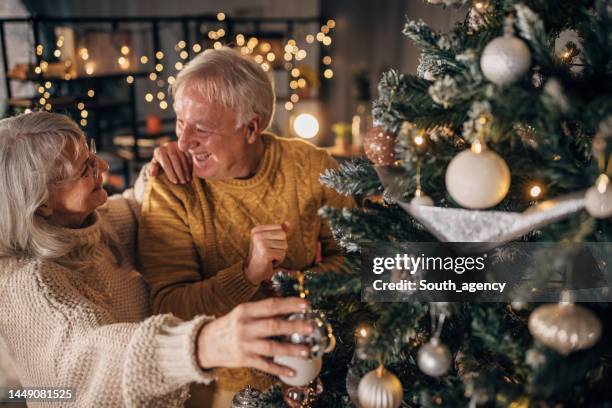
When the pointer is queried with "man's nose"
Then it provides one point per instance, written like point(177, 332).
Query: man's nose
point(186, 140)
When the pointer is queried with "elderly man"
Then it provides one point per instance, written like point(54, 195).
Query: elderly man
point(250, 206)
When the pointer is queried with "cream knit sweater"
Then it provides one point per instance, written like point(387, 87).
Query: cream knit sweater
point(89, 331)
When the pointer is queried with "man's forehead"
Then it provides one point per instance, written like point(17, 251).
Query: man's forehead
point(197, 109)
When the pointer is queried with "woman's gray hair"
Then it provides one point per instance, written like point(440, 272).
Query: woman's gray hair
point(36, 150)
point(237, 82)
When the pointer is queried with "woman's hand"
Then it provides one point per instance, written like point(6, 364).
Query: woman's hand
point(175, 163)
point(241, 338)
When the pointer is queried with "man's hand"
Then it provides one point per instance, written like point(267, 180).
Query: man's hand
point(268, 248)
point(240, 338)
point(175, 163)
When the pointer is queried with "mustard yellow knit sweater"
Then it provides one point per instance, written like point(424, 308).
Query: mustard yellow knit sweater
point(194, 238)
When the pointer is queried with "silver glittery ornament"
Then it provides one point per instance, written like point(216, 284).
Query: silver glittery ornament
point(246, 398)
point(491, 228)
point(380, 389)
point(565, 327)
point(321, 340)
point(505, 59)
point(434, 358)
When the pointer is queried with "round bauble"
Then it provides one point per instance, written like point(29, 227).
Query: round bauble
point(598, 199)
point(477, 179)
point(380, 389)
point(420, 198)
point(505, 59)
point(321, 340)
point(379, 146)
point(306, 369)
point(246, 398)
point(434, 358)
point(565, 327)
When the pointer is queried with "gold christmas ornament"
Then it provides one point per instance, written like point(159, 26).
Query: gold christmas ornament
point(565, 327)
point(380, 389)
point(379, 146)
point(478, 178)
point(598, 199)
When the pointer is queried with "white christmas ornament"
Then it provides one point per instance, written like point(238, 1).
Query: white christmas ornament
point(420, 198)
point(505, 59)
point(306, 369)
point(478, 178)
point(380, 389)
point(598, 199)
point(434, 358)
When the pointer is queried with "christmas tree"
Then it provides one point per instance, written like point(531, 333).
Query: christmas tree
point(497, 119)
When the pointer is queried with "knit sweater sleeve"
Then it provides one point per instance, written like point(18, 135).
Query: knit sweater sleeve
point(170, 263)
point(332, 259)
point(60, 338)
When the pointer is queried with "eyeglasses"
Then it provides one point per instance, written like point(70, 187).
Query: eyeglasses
point(92, 166)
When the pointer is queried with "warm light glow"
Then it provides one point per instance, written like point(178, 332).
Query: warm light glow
point(310, 38)
point(161, 96)
point(181, 44)
point(57, 53)
point(197, 48)
point(144, 59)
point(47, 95)
point(602, 183)
point(221, 16)
point(153, 76)
point(159, 67)
point(295, 72)
point(328, 73)
point(48, 106)
point(240, 40)
point(293, 85)
point(212, 35)
point(91, 93)
point(129, 79)
point(159, 55)
point(476, 147)
point(163, 105)
point(83, 122)
point(37, 70)
point(265, 47)
point(80, 105)
point(324, 29)
point(301, 55)
point(48, 84)
point(149, 97)
point(270, 57)
point(28, 110)
point(220, 32)
point(327, 40)
point(39, 49)
point(301, 83)
point(331, 23)
point(41, 89)
point(535, 191)
point(184, 54)
point(67, 77)
point(306, 126)
point(217, 45)
point(42, 101)
point(419, 140)
point(89, 68)
point(84, 114)
point(288, 105)
point(44, 65)
point(327, 60)
point(252, 43)
point(320, 36)
point(258, 59)
point(171, 79)
point(287, 56)
point(125, 50)
point(265, 66)
point(295, 98)
point(291, 42)
point(124, 63)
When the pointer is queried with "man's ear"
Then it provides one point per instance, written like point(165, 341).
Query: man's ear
point(253, 129)
point(44, 211)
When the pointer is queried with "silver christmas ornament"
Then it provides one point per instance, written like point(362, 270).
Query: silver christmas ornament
point(380, 389)
point(598, 199)
point(321, 340)
point(491, 228)
point(505, 59)
point(565, 327)
point(477, 178)
point(434, 358)
point(246, 398)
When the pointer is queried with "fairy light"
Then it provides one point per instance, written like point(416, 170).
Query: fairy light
point(331, 23)
point(48, 106)
point(144, 59)
point(80, 105)
point(178, 66)
point(159, 55)
point(83, 122)
point(41, 89)
point(28, 110)
point(47, 95)
point(271, 56)
point(84, 114)
point(265, 66)
point(295, 72)
point(295, 98)
point(161, 96)
point(258, 59)
point(42, 101)
point(171, 79)
point(149, 97)
point(163, 105)
point(125, 50)
point(287, 56)
point(196, 48)
point(301, 55)
point(212, 35)
point(91, 93)
point(327, 60)
point(301, 83)
point(288, 105)
point(57, 53)
point(129, 79)
point(37, 70)
point(265, 47)
point(220, 33)
point(217, 45)
point(67, 77)
point(39, 50)
point(328, 73)
point(240, 40)
point(159, 67)
point(419, 140)
point(124, 63)
point(44, 65)
point(602, 183)
point(153, 76)
point(220, 16)
point(252, 43)
point(48, 84)
point(60, 41)
point(324, 29)
point(535, 191)
point(320, 36)
point(293, 84)
point(89, 68)
point(181, 44)
point(327, 40)
point(184, 54)
point(310, 38)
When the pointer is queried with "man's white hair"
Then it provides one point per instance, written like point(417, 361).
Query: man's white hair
point(36, 150)
point(236, 82)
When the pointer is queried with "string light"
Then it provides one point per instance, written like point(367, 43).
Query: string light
point(163, 105)
point(301, 54)
point(159, 55)
point(149, 97)
point(184, 54)
point(295, 98)
point(327, 60)
point(84, 114)
point(419, 140)
point(123, 62)
point(240, 40)
point(301, 83)
point(181, 44)
point(89, 68)
point(37, 70)
point(324, 29)
point(331, 23)
point(48, 84)
point(270, 56)
point(39, 50)
point(220, 33)
point(48, 106)
point(42, 101)
point(44, 65)
point(41, 89)
point(310, 38)
point(258, 59)
point(535, 191)
point(47, 95)
point(83, 122)
point(161, 96)
point(80, 105)
point(327, 40)
point(153, 76)
point(212, 35)
point(57, 53)
point(221, 16)
point(293, 84)
point(129, 79)
point(159, 67)
point(197, 48)
point(91, 93)
point(288, 105)
point(320, 36)
point(265, 66)
point(144, 59)
point(178, 66)
point(328, 73)
point(287, 56)
point(217, 45)
point(265, 47)
point(125, 50)
point(28, 110)
point(171, 79)
point(295, 72)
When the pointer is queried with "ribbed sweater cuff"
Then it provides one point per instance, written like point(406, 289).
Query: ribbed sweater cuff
point(235, 285)
point(176, 352)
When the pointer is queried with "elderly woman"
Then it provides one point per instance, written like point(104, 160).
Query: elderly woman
point(250, 204)
point(74, 313)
